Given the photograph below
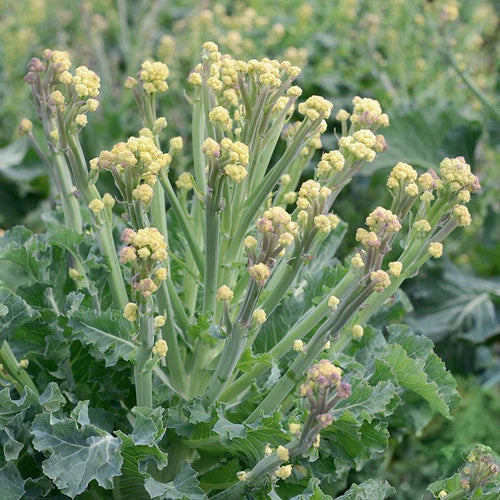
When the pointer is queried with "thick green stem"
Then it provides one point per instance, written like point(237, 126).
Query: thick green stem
point(212, 242)
point(71, 209)
point(105, 230)
point(175, 363)
point(308, 321)
point(233, 348)
point(183, 222)
point(347, 308)
point(142, 370)
point(17, 375)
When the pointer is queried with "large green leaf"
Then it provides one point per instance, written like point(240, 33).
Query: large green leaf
point(138, 462)
point(107, 334)
point(78, 454)
point(15, 312)
point(367, 402)
point(184, 486)
point(420, 347)
point(11, 483)
point(50, 400)
point(354, 442)
point(395, 364)
point(369, 490)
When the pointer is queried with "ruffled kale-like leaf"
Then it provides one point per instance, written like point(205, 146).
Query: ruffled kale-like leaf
point(15, 312)
point(451, 302)
point(368, 490)
point(395, 364)
point(106, 334)
point(78, 454)
point(138, 462)
point(418, 346)
point(184, 486)
point(11, 482)
point(227, 430)
point(148, 425)
point(9, 444)
point(50, 400)
point(409, 361)
point(354, 442)
point(312, 492)
point(358, 431)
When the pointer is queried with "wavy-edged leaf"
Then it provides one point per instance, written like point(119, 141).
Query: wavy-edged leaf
point(184, 486)
point(138, 461)
point(455, 303)
point(19, 312)
point(148, 426)
point(78, 454)
point(395, 364)
point(50, 400)
point(368, 490)
point(107, 334)
point(11, 482)
point(418, 346)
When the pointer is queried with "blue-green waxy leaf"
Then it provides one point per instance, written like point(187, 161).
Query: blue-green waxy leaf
point(78, 454)
point(139, 461)
point(107, 334)
point(15, 312)
point(50, 400)
point(418, 346)
point(148, 426)
point(227, 430)
point(312, 492)
point(395, 364)
point(184, 486)
point(11, 482)
point(368, 490)
point(10, 446)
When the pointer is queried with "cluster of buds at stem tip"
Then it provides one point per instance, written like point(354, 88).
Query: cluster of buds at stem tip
point(479, 470)
point(276, 232)
point(135, 166)
point(62, 99)
point(228, 158)
point(324, 389)
point(145, 253)
point(437, 203)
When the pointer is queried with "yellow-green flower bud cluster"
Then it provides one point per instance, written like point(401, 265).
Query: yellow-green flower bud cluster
point(333, 161)
point(153, 76)
point(367, 113)
point(358, 149)
point(145, 251)
point(402, 176)
point(137, 162)
point(85, 82)
point(383, 221)
point(316, 107)
point(380, 279)
point(456, 174)
point(160, 348)
point(224, 294)
point(59, 60)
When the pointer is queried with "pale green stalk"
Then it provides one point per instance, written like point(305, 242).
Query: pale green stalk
point(142, 372)
point(307, 322)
